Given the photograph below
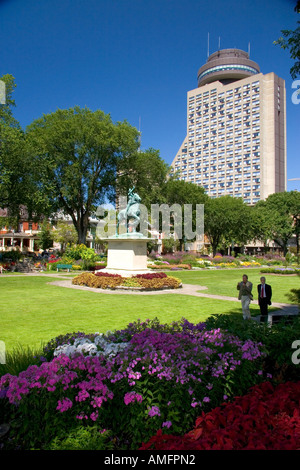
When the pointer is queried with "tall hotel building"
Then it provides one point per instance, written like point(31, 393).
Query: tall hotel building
point(236, 130)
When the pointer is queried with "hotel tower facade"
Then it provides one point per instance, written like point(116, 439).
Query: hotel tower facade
point(236, 130)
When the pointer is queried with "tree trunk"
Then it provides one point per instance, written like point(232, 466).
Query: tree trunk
point(81, 226)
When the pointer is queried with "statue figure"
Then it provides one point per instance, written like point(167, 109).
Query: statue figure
point(132, 212)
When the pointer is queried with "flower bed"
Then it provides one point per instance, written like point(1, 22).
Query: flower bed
point(267, 418)
point(131, 382)
point(169, 267)
point(103, 280)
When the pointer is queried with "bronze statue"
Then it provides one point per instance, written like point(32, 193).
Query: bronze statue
point(131, 213)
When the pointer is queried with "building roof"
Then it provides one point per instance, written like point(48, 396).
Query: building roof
point(226, 66)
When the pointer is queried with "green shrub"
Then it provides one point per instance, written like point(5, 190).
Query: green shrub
point(14, 255)
point(77, 252)
point(19, 359)
point(53, 265)
point(83, 438)
point(277, 340)
point(294, 296)
point(280, 270)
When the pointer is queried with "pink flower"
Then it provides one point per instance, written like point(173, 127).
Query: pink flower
point(64, 404)
point(167, 424)
point(131, 397)
point(154, 411)
point(94, 416)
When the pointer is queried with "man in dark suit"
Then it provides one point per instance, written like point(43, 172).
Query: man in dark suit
point(264, 298)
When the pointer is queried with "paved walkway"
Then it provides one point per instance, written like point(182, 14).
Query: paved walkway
point(186, 289)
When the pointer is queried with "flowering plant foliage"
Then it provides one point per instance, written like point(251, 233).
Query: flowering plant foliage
point(170, 266)
point(151, 276)
point(132, 381)
point(101, 273)
point(104, 280)
point(94, 346)
point(267, 418)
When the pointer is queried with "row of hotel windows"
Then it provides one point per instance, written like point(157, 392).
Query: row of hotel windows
point(248, 195)
point(212, 117)
point(246, 182)
point(221, 178)
point(220, 158)
point(221, 162)
point(222, 126)
point(238, 91)
point(237, 105)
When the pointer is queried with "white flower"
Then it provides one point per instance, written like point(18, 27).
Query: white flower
point(80, 341)
point(66, 349)
point(87, 347)
point(100, 341)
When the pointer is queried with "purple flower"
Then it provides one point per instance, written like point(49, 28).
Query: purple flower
point(166, 424)
point(94, 416)
point(154, 411)
point(64, 405)
point(131, 397)
point(3, 393)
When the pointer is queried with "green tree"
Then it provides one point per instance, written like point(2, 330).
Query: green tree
point(45, 236)
point(13, 170)
point(17, 188)
point(6, 109)
point(290, 40)
point(65, 234)
point(227, 220)
point(76, 153)
point(183, 192)
point(295, 213)
point(282, 217)
point(261, 219)
point(147, 172)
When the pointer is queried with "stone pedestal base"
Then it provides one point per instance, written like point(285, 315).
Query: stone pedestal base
point(127, 256)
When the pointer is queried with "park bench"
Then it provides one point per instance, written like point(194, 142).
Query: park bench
point(64, 266)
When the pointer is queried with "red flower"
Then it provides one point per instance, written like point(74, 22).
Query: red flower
point(264, 419)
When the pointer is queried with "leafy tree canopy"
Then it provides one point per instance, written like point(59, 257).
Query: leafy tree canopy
point(76, 153)
point(290, 40)
point(280, 214)
point(226, 220)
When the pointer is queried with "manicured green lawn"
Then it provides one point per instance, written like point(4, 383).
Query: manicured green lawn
point(224, 282)
point(32, 311)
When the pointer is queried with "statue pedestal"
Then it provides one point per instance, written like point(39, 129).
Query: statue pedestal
point(127, 255)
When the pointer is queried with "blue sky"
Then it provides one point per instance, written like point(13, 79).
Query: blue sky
point(136, 59)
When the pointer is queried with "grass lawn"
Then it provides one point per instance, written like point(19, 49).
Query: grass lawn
point(224, 282)
point(33, 312)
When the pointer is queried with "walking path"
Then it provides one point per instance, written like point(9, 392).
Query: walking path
point(186, 289)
